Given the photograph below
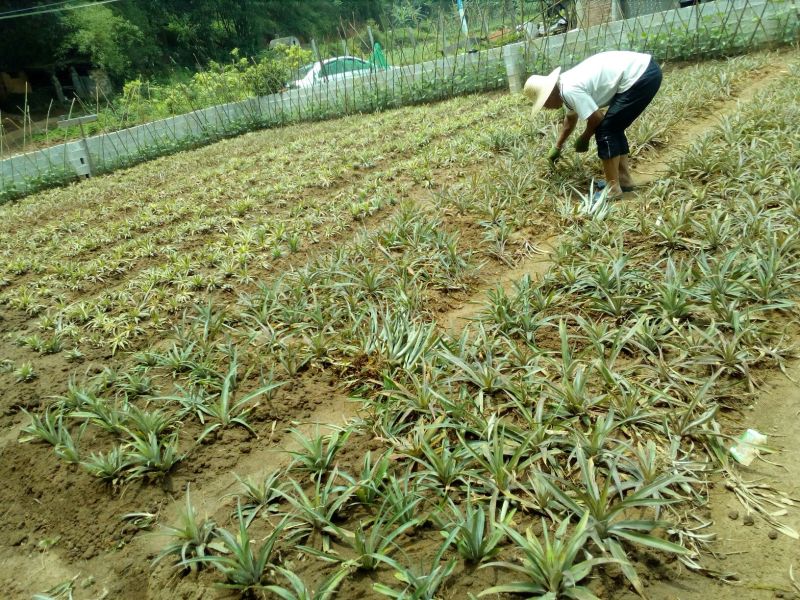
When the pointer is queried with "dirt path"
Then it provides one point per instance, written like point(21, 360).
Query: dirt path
point(759, 563)
point(24, 572)
point(535, 264)
point(654, 164)
point(335, 411)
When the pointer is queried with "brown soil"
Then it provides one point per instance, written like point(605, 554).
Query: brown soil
point(651, 166)
point(55, 526)
point(757, 566)
point(533, 262)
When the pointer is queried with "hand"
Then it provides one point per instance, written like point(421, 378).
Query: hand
point(554, 154)
point(581, 145)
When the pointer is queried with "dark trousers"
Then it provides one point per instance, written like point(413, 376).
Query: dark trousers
point(623, 110)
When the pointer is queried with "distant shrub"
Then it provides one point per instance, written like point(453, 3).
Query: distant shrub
point(236, 80)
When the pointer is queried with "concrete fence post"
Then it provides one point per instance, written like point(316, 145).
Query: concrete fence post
point(514, 58)
point(83, 163)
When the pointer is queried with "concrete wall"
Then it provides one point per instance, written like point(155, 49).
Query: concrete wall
point(635, 8)
point(755, 22)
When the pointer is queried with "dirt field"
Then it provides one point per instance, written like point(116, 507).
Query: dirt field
point(253, 260)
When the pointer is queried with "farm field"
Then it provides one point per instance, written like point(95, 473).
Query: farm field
point(390, 355)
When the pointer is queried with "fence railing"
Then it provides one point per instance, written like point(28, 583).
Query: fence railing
point(709, 29)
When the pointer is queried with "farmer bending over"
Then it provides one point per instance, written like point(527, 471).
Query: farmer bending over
point(625, 82)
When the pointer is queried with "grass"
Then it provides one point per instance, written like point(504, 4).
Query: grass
point(556, 434)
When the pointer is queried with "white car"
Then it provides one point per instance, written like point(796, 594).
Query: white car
point(332, 70)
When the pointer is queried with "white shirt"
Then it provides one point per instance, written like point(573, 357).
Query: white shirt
point(594, 82)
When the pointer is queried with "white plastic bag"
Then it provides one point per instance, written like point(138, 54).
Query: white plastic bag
point(746, 448)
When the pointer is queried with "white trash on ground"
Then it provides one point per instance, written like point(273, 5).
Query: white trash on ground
point(746, 448)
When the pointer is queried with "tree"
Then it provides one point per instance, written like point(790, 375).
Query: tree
point(30, 41)
point(141, 36)
point(108, 40)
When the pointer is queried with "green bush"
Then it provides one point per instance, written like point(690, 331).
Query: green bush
point(236, 80)
point(274, 69)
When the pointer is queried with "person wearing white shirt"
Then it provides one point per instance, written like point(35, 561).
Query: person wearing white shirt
point(625, 82)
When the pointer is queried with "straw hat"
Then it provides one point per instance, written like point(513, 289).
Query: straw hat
point(538, 89)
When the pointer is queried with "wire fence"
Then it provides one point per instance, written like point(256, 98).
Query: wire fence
point(495, 46)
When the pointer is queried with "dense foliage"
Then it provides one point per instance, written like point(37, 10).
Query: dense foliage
point(141, 36)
